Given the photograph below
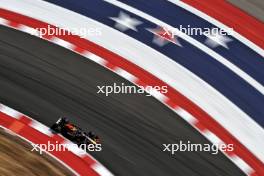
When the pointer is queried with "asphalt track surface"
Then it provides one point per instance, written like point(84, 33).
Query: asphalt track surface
point(46, 81)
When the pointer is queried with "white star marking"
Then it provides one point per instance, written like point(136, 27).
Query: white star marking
point(125, 22)
point(216, 39)
point(163, 36)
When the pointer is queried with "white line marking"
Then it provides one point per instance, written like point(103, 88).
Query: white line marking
point(195, 43)
point(125, 74)
point(242, 164)
point(155, 93)
point(11, 112)
point(29, 30)
point(215, 22)
point(40, 127)
point(200, 92)
point(185, 115)
point(212, 137)
point(3, 21)
point(95, 58)
point(62, 43)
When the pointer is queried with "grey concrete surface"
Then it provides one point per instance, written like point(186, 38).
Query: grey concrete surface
point(252, 7)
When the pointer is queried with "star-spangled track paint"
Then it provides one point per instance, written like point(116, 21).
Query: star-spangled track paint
point(222, 110)
point(36, 133)
point(248, 29)
point(97, 166)
point(201, 63)
point(236, 160)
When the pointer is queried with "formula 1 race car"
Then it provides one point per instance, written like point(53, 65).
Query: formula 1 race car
point(74, 133)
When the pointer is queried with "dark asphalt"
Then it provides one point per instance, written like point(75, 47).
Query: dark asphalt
point(46, 81)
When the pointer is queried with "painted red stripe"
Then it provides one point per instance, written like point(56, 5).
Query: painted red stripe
point(25, 120)
point(248, 26)
point(75, 162)
point(5, 120)
point(13, 24)
point(81, 165)
point(175, 97)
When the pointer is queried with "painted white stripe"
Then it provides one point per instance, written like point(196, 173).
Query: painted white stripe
point(212, 137)
point(94, 58)
point(195, 43)
point(238, 123)
point(186, 115)
point(101, 170)
point(44, 129)
point(74, 148)
point(41, 128)
point(11, 112)
point(155, 93)
point(62, 43)
point(126, 75)
point(215, 22)
point(242, 164)
point(29, 30)
point(3, 21)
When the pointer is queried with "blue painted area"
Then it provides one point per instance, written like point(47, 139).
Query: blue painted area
point(238, 53)
point(214, 73)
